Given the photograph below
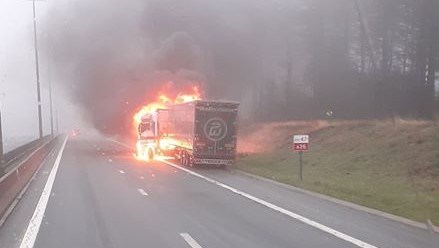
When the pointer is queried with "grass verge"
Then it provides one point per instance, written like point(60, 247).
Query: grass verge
point(392, 167)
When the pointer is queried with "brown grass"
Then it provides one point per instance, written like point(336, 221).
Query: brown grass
point(392, 165)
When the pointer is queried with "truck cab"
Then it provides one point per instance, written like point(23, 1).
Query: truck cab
point(147, 137)
point(195, 133)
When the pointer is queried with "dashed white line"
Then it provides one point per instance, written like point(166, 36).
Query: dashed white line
point(121, 172)
point(190, 240)
point(298, 217)
point(30, 236)
point(142, 192)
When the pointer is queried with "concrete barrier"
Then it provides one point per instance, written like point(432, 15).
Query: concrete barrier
point(15, 180)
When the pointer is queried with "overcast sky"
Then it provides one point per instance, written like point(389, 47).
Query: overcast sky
point(17, 70)
point(113, 56)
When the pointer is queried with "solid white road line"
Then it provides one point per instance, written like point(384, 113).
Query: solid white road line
point(120, 143)
point(190, 240)
point(298, 217)
point(35, 222)
point(121, 172)
point(142, 192)
point(23, 191)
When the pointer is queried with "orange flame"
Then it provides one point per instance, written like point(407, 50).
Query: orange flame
point(163, 99)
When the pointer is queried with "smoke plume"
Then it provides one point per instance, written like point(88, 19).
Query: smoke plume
point(113, 55)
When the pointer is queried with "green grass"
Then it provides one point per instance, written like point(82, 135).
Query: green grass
point(393, 168)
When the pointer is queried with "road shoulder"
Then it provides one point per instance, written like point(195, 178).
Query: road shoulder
point(15, 225)
point(424, 226)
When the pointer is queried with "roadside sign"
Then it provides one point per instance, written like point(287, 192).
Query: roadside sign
point(301, 139)
point(300, 147)
point(300, 143)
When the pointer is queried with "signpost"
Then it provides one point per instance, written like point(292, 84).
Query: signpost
point(301, 144)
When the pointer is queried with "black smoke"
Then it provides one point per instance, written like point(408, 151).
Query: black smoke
point(114, 55)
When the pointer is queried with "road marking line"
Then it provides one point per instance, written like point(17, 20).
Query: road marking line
point(298, 217)
point(142, 192)
point(190, 240)
point(35, 222)
point(121, 172)
point(23, 191)
point(120, 143)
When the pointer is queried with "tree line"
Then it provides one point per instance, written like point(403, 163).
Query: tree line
point(355, 59)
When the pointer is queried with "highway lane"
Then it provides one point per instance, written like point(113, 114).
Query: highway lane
point(366, 226)
point(102, 197)
point(96, 203)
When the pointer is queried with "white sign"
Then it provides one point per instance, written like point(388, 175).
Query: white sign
point(301, 139)
point(215, 129)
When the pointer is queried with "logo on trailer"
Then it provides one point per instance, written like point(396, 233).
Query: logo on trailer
point(215, 129)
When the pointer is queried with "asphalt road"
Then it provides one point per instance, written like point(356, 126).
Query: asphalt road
point(103, 197)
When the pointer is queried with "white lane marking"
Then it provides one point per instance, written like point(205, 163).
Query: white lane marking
point(298, 217)
point(190, 240)
point(142, 192)
point(35, 222)
point(120, 143)
point(121, 172)
point(23, 191)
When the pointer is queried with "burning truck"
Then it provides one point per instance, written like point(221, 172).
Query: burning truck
point(194, 131)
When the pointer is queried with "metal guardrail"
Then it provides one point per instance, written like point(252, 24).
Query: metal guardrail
point(18, 153)
point(14, 182)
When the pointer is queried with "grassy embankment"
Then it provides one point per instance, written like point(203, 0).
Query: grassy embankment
point(385, 165)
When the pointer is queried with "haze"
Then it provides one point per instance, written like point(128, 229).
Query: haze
point(281, 59)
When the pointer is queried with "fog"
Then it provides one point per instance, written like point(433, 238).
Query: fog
point(17, 75)
point(282, 59)
point(113, 56)
point(18, 90)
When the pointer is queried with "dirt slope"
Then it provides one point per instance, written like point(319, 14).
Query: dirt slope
point(387, 165)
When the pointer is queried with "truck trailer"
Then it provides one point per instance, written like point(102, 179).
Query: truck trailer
point(196, 133)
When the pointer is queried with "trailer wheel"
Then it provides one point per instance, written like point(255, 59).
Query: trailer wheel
point(186, 160)
point(190, 161)
point(180, 157)
point(150, 154)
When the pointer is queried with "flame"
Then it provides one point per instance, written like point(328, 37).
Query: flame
point(163, 99)
point(195, 95)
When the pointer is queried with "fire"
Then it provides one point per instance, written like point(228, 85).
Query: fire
point(164, 98)
point(195, 95)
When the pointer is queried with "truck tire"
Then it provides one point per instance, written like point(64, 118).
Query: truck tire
point(180, 158)
point(186, 160)
point(190, 161)
point(150, 154)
